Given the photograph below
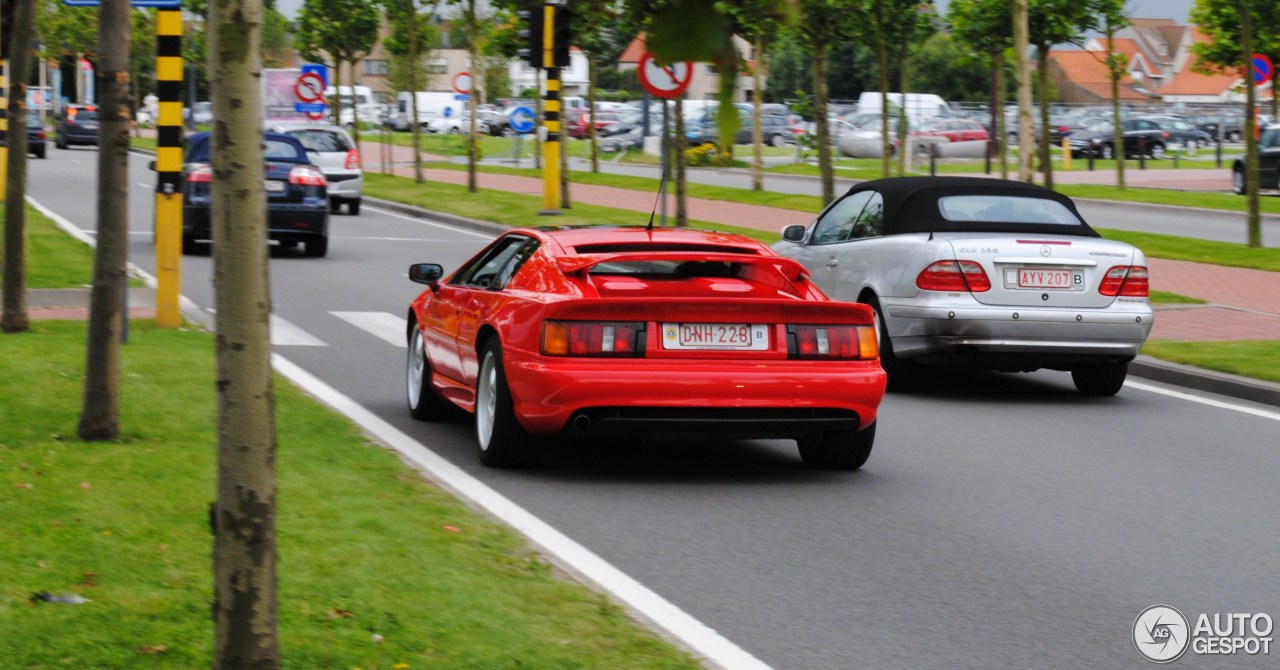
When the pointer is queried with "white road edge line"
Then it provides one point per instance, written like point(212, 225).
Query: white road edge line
point(452, 229)
point(569, 555)
point(1202, 400)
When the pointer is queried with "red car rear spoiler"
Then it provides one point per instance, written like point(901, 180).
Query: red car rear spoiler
point(581, 265)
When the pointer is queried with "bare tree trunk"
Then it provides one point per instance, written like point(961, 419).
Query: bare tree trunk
point(243, 517)
point(820, 120)
point(99, 415)
point(904, 123)
point(565, 203)
point(682, 213)
point(536, 137)
point(1046, 147)
point(1026, 143)
point(1110, 31)
point(337, 91)
point(15, 318)
point(355, 108)
point(886, 141)
point(473, 36)
point(414, 64)
point(998, 124)
point(1250, 124)
point(591, 105)
point(757, 127)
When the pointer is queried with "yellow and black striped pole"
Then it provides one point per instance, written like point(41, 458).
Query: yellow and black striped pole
point(550, 117)
point(168, 223)
point(4, 126)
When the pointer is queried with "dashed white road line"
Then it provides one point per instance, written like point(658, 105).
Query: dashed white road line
point(384, 325)
point(1212, 402)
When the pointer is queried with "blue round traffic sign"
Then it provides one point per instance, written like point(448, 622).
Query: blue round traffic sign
point(1262, 68)
point(523, 120)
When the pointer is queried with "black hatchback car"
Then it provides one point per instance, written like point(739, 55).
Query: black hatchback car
point(1268, 163)
point(36, 136)
point(297, 195)
point(78, 124)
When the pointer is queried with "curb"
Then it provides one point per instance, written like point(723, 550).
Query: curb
point(1209, 381)
point(442, 217)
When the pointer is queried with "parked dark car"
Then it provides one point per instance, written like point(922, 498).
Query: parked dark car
point(1065, 127)
point(1181, 131)
point(78, 124)
point(1268, 163)
point(36, 136)
point(1140, 136)
point(776, 130)
point(1231, 126)
point(297, 197)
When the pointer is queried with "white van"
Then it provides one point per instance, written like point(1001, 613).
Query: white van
point(920, 106)
point(433, 109)
point(357, 103)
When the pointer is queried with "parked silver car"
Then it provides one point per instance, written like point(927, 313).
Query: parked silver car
point(981, 272)
point(335, 153)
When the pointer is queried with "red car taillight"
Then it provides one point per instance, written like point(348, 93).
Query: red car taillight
point(306, 176)
point(1126, 280)
point(200, 175)
point(592, 338)
point(41, 135)
point(353, 159)
point(832, 342)
point(954, 276)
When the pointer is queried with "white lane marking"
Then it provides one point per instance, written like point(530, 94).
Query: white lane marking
point(1204, 401)
point(452, 229)
point(145, 185)
point(284, 334)
point(385, 325)
point(568, 554)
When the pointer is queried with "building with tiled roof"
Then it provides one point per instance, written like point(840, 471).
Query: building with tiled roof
point(1082, 76)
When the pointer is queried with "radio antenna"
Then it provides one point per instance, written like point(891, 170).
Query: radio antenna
point(662, 184)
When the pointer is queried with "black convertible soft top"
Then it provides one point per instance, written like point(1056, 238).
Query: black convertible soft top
point(911, 205)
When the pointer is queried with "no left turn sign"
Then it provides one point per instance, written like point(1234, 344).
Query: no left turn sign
point(664, 81)
point(310, 88)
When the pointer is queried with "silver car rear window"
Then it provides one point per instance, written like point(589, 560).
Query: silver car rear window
point(321, 141)
point(1005, 209)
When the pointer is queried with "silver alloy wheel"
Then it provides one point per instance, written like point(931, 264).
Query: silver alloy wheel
point(486, 400)
point(416, 368)
point(1237, 181)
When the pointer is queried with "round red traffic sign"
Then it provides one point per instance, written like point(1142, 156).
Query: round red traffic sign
point(664, 81)
point(309, 88)
point(462, 83)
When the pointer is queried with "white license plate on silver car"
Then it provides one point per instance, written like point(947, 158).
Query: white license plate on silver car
point(722, 336)
point(1042, 278)
point(274, 186)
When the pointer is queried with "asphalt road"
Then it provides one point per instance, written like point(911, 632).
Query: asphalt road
point(1003, 521)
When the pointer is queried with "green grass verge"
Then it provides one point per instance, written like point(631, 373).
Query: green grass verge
point(1200, 251)
point(365, 544)
point(1167, 298)
point(515, 209)
point(54, 259)
point(1250, 358)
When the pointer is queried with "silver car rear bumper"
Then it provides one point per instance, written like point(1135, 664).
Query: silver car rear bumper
point(1117, 331)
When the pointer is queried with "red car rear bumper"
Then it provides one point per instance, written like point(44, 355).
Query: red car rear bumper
point(773, 398)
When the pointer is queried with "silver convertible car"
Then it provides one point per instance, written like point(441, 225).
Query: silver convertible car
point(987, 273)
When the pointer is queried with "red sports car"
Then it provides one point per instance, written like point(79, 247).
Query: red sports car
point(633, 331)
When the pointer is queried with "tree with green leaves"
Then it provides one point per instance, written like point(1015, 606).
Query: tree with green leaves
point(413, 36)
point(1112, 16)
point(891, 27)
point(592, 22)
point(822, 24)
point(758, 22)
point(1238, 29)
point(142, 53)
point(987, 27)
point(344, 30)
point(67, 31)
point(1053, 22)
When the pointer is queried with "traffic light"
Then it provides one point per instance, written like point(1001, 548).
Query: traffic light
point(7, 8)
point(531, 34)
point(563, 35)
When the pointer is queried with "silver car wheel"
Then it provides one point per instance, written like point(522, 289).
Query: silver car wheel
point(486, 400)
point(416, 368)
